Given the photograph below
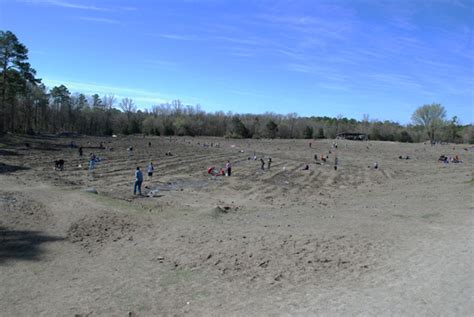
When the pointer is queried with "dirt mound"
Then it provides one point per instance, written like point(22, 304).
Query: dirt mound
point(290, 258)
point(220, 210)
point(94, 232)
point(17, 210)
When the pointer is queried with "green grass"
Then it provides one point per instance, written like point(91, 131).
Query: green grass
point(200, 295)
point(176, 276)
point(116, 204)
point(402, 216)
point(425, 216)
point(430, 215)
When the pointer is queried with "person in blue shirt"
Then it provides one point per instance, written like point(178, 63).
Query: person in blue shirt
point(138, 182)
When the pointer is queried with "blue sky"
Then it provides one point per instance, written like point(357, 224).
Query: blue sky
point(349, 58)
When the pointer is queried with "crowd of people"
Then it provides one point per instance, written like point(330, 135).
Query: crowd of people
point(449, 159)
point(227, 170)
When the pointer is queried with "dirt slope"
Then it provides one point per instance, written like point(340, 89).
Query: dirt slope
point(284, 241)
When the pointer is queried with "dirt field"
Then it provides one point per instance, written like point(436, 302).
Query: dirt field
point(397, 240)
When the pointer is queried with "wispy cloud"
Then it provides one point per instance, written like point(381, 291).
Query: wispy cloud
point(127, 8)
point(334, 87)
point(364, 64)
point(324, 76)
point(313, 29)
point(253, 41)
point(139, 95)
point(77, 5)
point(246, 93)
point(67, 4)
point(300, 68)
point(142, 97)
point(292, 54)
point(403, 23)
point(161, 64)
point(393, 80)
point(240, 53)
point(100, 20)
point(179, 37)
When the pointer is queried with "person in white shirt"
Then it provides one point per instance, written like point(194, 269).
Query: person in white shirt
point(228, 167)
point(150, 170)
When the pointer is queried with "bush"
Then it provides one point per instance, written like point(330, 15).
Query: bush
point(308, 132)
point(405, 137)
point(168, 130)
point(320, 134)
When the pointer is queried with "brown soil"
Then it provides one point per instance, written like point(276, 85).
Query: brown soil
point(396, 240)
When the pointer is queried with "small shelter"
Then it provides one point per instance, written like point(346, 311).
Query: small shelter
point(352, 136)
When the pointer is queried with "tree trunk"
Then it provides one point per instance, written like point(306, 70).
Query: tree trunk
point(3, 111)
point(12, 116)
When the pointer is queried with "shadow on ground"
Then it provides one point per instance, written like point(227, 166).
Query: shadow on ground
point(5, 168)
point(9, 153)
point(23, 244)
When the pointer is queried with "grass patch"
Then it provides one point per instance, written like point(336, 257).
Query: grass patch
point(428, 216)
point(425, 216)
point(200, 295)
point(402, 216)
point(114, 203)
point(176, 276)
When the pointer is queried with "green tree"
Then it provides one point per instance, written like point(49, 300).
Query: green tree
point(81, 102)
point(135, 126)
point(15, 73)
point(168, 128)
point(96, 101)
point(308, 132)
point(62, 107)
point(182, 126)
point(238, 128)
point(431, 117)
point(405, 137)
point(320, 134)
point(453, 129)
point(41, 107)
point(255, 128)
point(272, 129)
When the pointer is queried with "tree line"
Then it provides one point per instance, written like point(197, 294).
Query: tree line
point(28, 106)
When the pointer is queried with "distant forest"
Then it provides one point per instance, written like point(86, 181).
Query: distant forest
point(27, 106)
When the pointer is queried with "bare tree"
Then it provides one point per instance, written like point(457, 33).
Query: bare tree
point(128, 107)
point(366, 123)
point(431, 117)
point(291, 118)
point(108, 102)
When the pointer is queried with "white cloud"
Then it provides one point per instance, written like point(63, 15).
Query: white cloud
point(139, 95)
point(66, 4)
point(77, 6)
point(177, 37)
point(100, 20)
